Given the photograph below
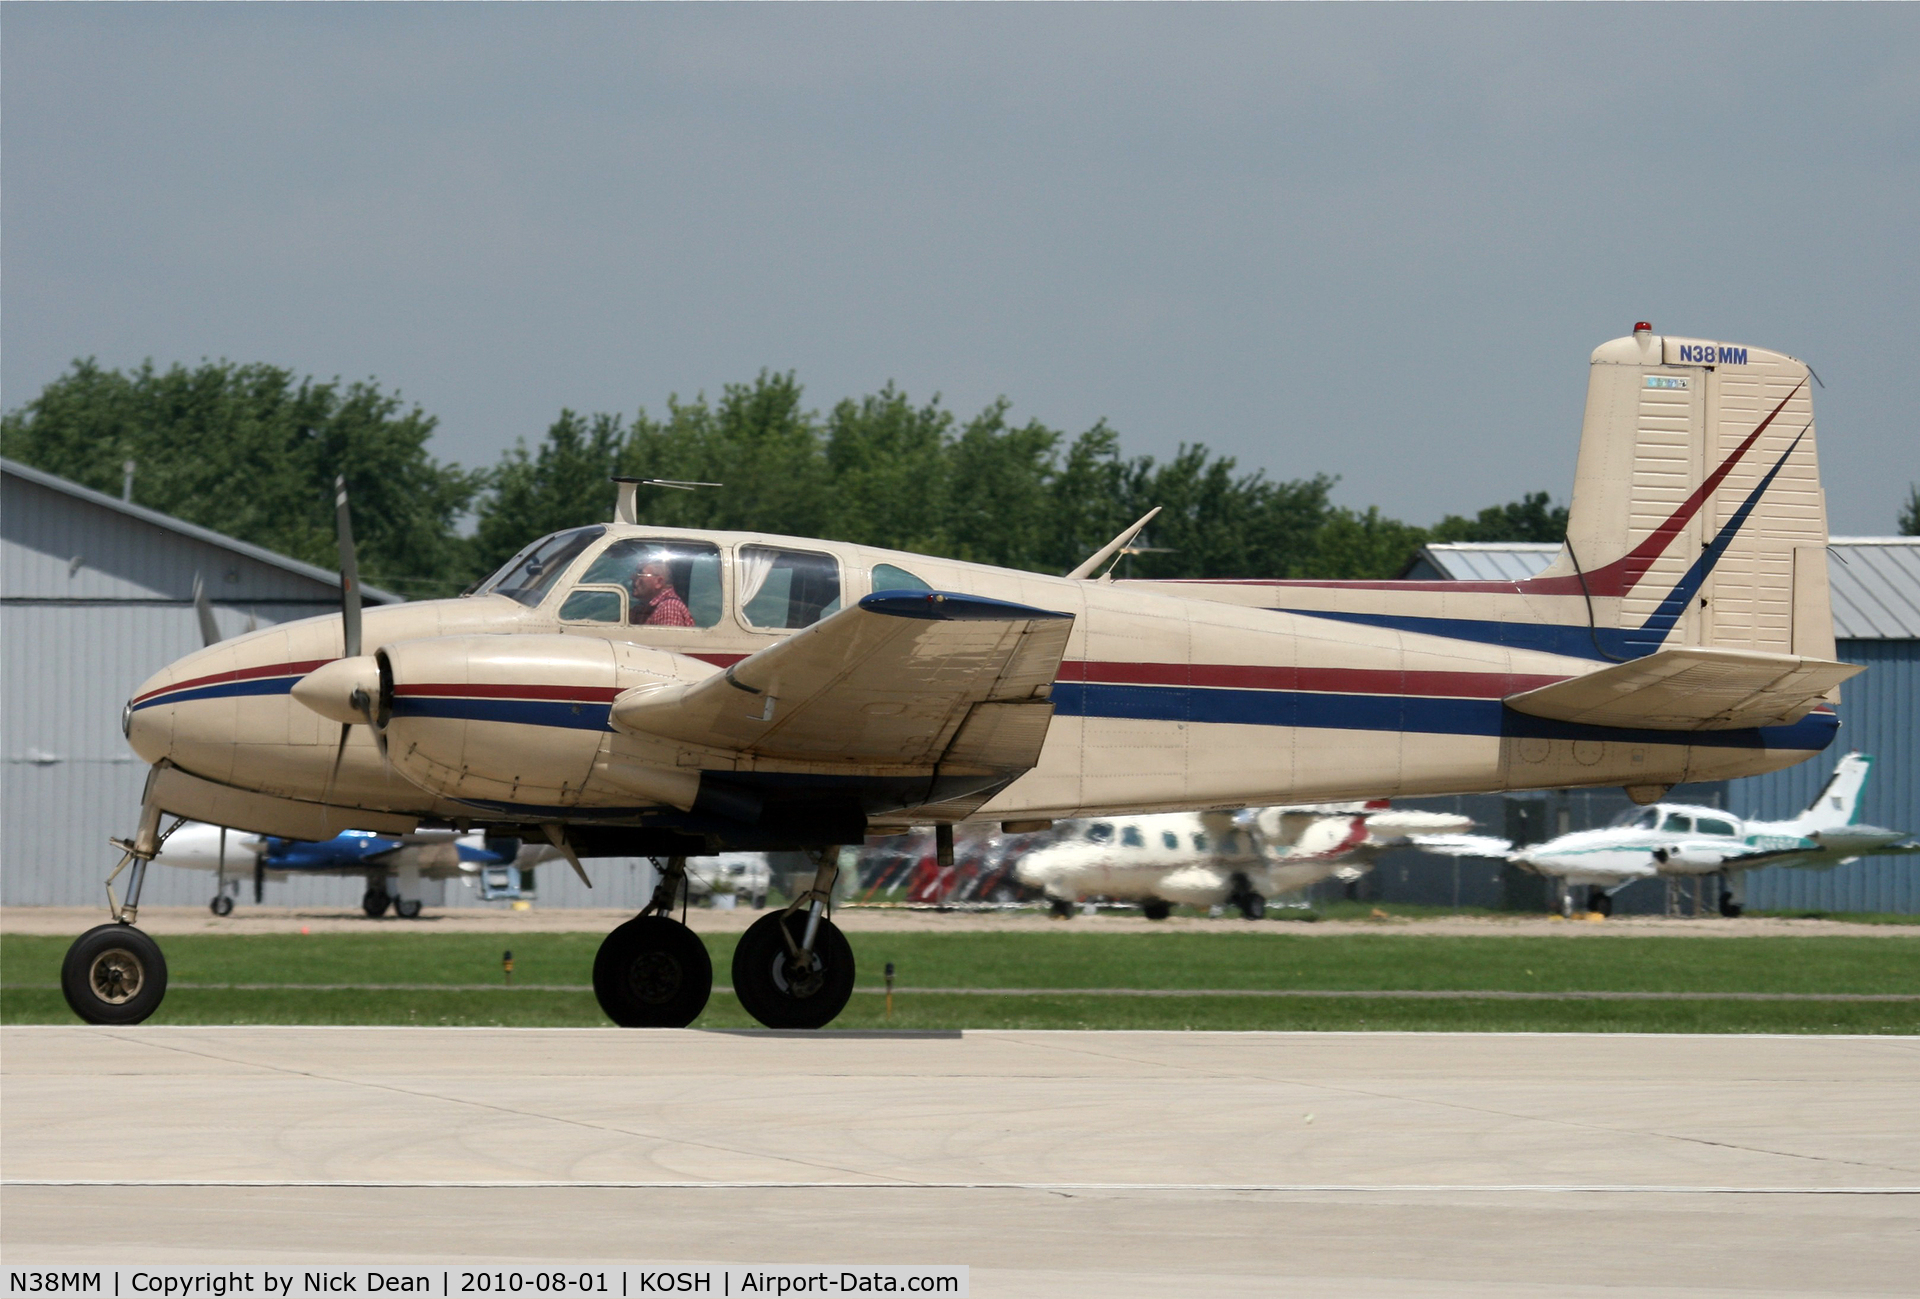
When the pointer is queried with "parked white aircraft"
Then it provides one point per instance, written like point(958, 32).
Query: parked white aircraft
point(743, 875)
point(1677, 839)
point(628, 690)
point(393, 865)
point(1210, 859)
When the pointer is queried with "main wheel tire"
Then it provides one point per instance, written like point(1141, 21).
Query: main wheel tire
point(1156, 909)
point(1061, 907)
point(407, 908)
point(114, 974)
point(375, 902)
point(1253, 906)
point(1599, 903)
point(1729, 908)
point(653, 972)
point(778, 992)
point(222, 905)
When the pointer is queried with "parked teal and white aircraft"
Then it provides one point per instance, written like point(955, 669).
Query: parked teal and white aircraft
point(1679, 839)
point(632, 690)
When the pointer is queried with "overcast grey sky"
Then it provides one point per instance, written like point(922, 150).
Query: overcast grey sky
point(1377, 242)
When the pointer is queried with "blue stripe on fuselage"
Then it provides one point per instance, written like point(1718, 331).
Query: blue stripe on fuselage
point(523, 712)
point(1419, 714)
point(223, 690)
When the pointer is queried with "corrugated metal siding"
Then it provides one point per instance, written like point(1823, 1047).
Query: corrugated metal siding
point(1876, 587)
point(1881, 715)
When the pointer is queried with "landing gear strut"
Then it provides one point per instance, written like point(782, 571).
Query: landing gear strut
point(653, 971)
point(1599, 901)
point(794, 969)
point(114, 973)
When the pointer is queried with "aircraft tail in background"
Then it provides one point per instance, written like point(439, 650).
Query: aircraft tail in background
point(1839, 803)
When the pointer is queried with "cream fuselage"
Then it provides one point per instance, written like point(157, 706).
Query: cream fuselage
point(1168, 698)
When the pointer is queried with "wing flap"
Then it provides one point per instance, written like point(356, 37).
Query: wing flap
point(1697, 688)
point(898, 680)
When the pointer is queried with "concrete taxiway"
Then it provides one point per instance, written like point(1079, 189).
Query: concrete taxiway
point(1050, 1163)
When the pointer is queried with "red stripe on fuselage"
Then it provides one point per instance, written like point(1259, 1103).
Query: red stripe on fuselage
point(238, 674)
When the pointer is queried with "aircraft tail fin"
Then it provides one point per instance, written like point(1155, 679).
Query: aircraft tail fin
point(1697, 517)
point(1838, 803)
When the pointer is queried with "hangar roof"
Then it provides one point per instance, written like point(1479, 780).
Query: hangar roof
point(1876, 580)
point(189, 531)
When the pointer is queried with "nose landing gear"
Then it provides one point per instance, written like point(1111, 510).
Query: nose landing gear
point(114, 973)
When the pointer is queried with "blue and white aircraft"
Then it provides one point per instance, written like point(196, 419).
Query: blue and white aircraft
point(1678, 839)
point(393, 865)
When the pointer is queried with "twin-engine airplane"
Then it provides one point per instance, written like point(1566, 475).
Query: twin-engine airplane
point(1679, 840)
point(1213, 859)
point(626, 689)
point(392, 865)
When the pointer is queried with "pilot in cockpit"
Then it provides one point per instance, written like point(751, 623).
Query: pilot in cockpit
point(655, 603)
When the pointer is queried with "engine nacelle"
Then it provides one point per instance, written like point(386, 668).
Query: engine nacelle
point(519, 723)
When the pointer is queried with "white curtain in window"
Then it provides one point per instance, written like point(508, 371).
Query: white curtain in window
point(755, 565)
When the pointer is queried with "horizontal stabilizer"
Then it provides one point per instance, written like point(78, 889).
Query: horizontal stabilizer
point(1692, 689)
point(902, 680)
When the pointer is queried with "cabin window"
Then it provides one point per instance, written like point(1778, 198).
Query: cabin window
point(1169, 839)
point(595, 604)
point(658, 583)
point(1132, 838)
point(1099, 832)
point(1707, 825)
point(1675, 821)
point(1647, 820)
point(529, 575)
point(1199, 843)
point(786, 589)
point(888, 577)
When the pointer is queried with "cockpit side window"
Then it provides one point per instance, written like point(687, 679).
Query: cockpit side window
point(663, 583)
point(1676, 821)
point(889, 577)
point(529, 575)
point(786, 589)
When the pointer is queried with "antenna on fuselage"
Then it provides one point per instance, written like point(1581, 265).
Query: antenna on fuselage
point(626, 509)
point(1111, 551)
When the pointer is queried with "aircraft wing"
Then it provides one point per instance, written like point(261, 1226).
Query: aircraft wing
point(901, 679)
point(1462, 845)
point(1692, 689)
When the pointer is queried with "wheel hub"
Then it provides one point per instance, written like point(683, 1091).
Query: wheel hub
point(796, 979)
point(654, 978)
point(116, 976)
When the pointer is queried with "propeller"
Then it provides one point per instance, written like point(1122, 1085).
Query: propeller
point(209, 630)
point(361, 700)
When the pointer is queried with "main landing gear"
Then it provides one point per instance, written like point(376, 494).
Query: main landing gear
point(791, 969)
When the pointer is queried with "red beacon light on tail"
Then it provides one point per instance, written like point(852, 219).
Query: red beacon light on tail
point(1641, 327)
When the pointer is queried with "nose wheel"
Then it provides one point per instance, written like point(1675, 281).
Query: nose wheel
point(114, 974)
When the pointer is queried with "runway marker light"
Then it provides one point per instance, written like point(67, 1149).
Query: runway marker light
point(305, 930)
point(889, 990)
point(506, 965)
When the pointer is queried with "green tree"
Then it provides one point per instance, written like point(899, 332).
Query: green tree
point(1355, 544)
point(1531, 518)
point(1910, 516)
point(252, 452)
point(561, 484)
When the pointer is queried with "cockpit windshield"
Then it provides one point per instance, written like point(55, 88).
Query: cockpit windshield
point(1639, 818)
point(529, 575)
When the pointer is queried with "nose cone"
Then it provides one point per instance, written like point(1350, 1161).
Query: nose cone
point(344, 691)
point(147, 720)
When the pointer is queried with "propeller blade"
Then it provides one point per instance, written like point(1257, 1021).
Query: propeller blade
point(259, 878)
point(349, 571)
point(326, 795)
point(209, 630)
